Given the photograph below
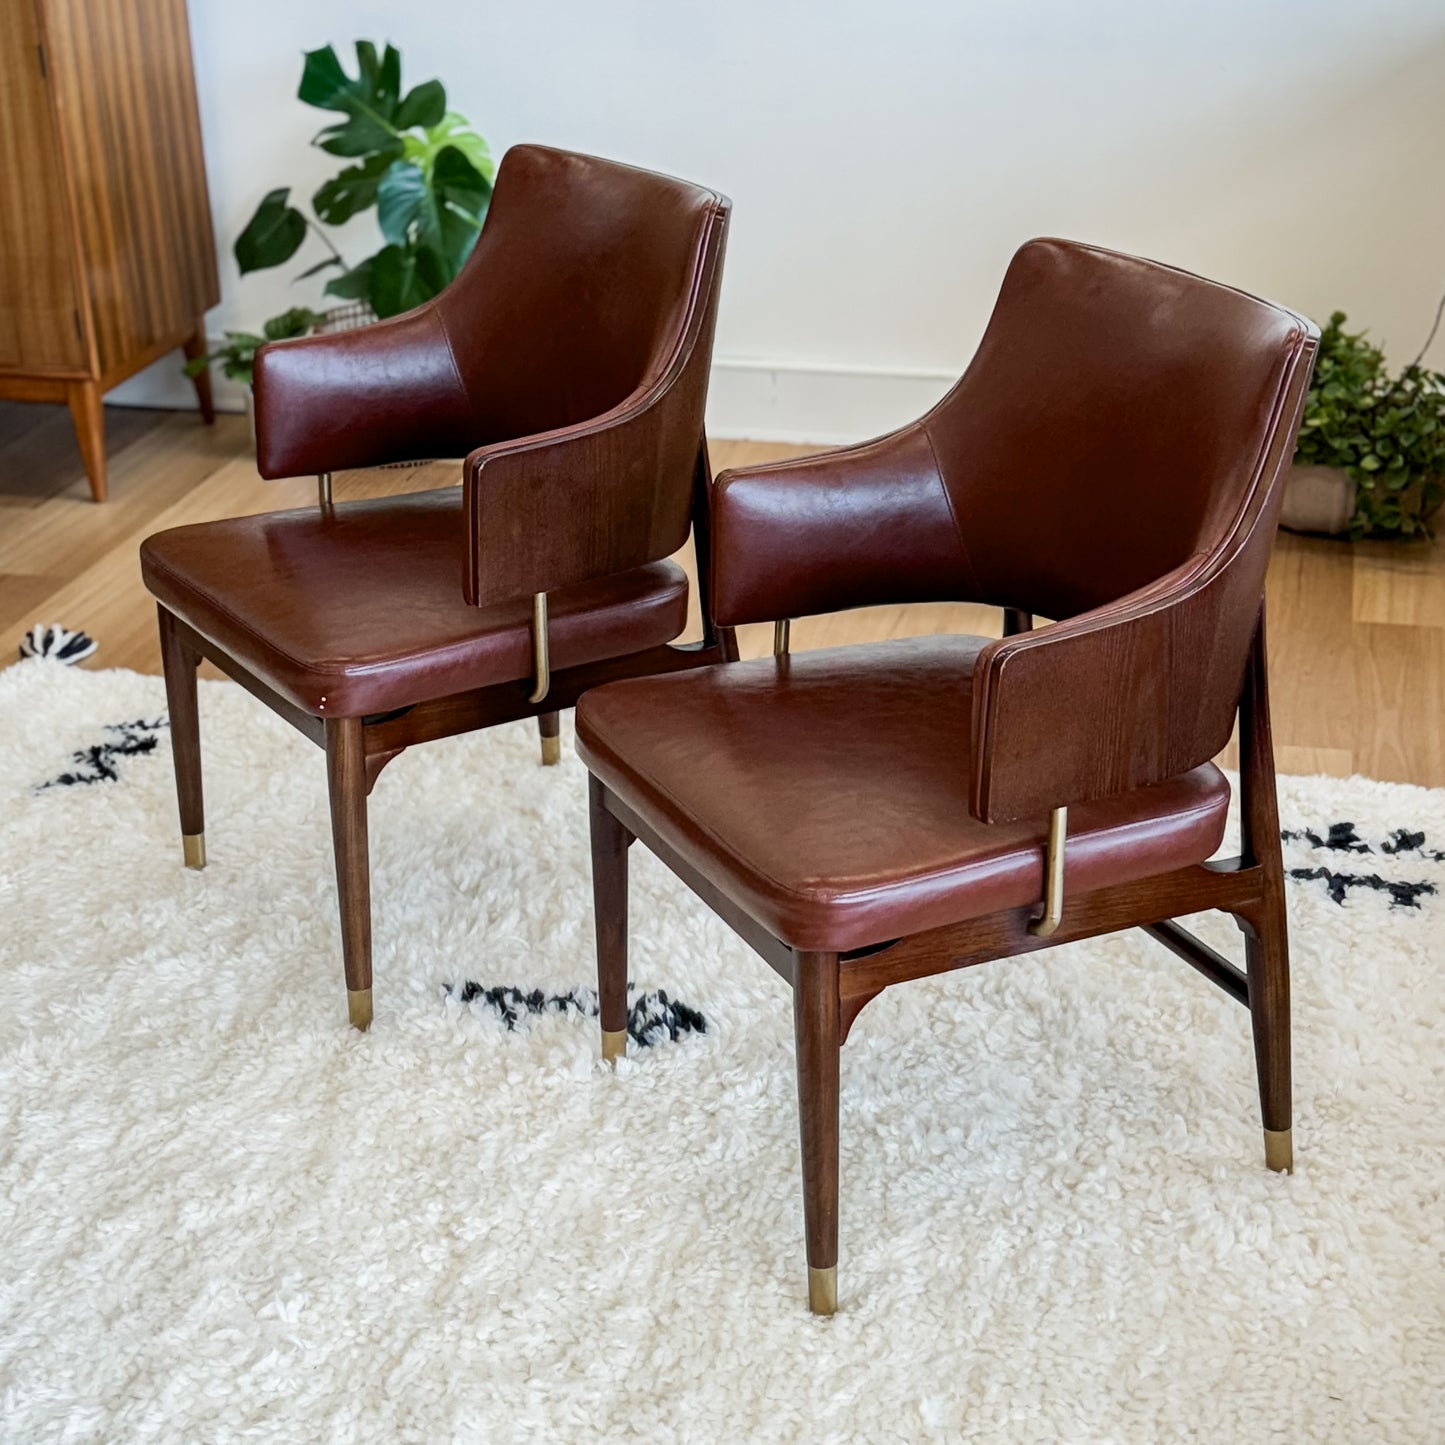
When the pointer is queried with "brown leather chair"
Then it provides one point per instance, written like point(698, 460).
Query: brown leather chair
point(569, 362)
point(866, 815)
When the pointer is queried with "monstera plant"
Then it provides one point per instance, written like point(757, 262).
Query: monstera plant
point(236, 355)
point(427, 173)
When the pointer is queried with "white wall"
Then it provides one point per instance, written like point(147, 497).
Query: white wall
point(885, 159)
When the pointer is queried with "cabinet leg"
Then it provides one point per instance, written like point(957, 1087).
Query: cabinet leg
point(195, 347)
point(89, 417)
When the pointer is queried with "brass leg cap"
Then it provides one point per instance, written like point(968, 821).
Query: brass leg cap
point(1279, 1150)
point(614, 1045)
point(194, 845)
point(358, 1006)
point(551, 752)
point(823, 1290)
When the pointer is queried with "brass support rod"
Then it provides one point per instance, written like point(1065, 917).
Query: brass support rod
point(539, 647)
point(323, 490)
point(781, 628)
point(1053, 875)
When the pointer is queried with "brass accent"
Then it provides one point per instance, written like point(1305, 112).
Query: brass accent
point(614, 1045)
point(539, 646)
point(358, 1007)
point(823, 1290)
point(194, 845)
point(1279, 1150)
point(781, 630)
point(323, 490)
point(551, 751)
point(1044, 925)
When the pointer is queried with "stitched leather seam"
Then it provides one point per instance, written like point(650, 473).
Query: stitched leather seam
point(1204, 566)
point(1199, 571)
point(644, 397)
point(441, 322)
point(977, 586)
point(631, 408)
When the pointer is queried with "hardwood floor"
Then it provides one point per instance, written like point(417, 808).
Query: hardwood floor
point(1357, 633)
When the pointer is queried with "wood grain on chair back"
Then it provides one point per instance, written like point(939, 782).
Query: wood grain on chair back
point(1117, 448)
point(596, 290)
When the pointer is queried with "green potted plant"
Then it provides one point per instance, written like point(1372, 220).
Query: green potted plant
point(1371, 456)
point(426, 173)
point(238, 352)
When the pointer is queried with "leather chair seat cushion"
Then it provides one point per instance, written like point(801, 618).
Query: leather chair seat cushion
point(827, 793)
point(361, 611)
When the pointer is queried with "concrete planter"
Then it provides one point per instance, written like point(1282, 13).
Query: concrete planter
point(1320, 500)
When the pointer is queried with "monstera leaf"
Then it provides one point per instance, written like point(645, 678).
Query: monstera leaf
point(376, 113)
point(440, 212)
point(399, 278)
point(425, 105)
point(352, 285)
point(273, 234)
point(340, 198)
point(451, 130)
point(428, 174)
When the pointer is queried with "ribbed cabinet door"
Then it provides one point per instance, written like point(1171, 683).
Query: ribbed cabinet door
point(131, 130)
point(39, 328)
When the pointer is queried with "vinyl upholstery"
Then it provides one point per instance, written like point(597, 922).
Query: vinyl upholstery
point(568, 364)
point(1113, 460)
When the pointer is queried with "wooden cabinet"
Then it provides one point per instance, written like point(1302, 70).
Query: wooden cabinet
point(107, 260)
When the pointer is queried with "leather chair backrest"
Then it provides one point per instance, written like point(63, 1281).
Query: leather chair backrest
point(587, 327)
point(568, 362)
point(1112, 461)
point(1111, 424)
point(578, 292)
point(1118, 450)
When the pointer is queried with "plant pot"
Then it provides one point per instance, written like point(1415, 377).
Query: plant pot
point(1318, 500)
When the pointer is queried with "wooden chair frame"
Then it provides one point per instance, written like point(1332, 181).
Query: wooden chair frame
point(831, 989)
point(358, 748)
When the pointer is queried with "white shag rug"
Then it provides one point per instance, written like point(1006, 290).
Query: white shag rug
point(224, 1216)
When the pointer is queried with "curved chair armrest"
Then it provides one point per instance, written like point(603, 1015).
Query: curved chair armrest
point(1129, 694)
point(563, 506)
point(389, 392)
point(853, 528)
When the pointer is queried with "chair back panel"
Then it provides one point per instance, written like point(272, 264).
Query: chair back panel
point(1142, 489)
point(577, 293)
point(596, 304)
point(1111, 425)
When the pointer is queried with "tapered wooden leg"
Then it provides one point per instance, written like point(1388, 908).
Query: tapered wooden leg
point(1266, 954)
point(180, 665)
point(1266, 947)
point(346, 779)
point(610, 842)
point(195, 346)
point(815, 1019)
point(88, 415)
point(549, 728)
